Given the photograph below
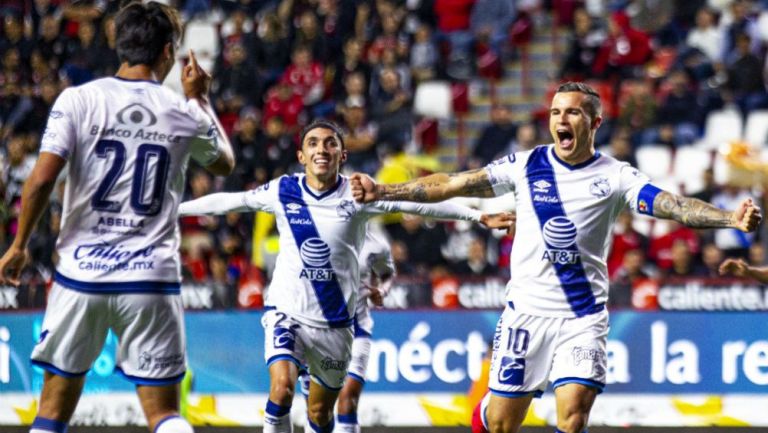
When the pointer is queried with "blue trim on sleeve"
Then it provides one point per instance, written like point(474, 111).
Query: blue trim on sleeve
point(48, 424)
point(586, 382)
point(147, 381)
point(57, 371)
point(356, 377)
point(159, 287)
point(315, 254)
point(645, 198)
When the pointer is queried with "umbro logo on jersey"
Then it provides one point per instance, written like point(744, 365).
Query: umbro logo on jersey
point(136, 114)
point(541, 186)
point(293, 208)
point(56, 114)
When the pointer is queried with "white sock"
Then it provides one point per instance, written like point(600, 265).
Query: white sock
point(277, 419)
point(347, 424)
point(173, 424)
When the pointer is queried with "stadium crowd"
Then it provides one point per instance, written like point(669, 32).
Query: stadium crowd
point(662, 67)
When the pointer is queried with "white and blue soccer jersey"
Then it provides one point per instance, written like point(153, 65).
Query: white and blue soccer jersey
point(127, 144)
point(317, 276)
point(565, 217)
point(375, 262)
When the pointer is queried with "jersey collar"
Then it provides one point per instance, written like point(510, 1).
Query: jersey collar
point(129, 80)
point(324, 194)
point(574, 166)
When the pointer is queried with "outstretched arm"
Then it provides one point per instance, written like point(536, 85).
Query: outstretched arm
point(740, 268)
point(432, 188)
point(699, 214)
point(450, 210)
point(215, 204)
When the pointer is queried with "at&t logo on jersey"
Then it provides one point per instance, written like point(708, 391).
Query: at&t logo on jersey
point(560, 235)
point(283, 338)
point(316, 253)
point(511, 370)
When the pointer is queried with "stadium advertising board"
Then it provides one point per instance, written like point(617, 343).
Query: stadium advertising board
point(666, 361)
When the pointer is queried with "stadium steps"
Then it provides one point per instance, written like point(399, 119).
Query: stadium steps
point(508, 91)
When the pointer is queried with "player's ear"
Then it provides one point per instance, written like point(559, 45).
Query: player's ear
point(300, 156)
point(168, 51)
point(597, 121)
point(344, 156)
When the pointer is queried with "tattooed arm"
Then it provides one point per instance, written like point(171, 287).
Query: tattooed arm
point(699, 214)
point(432, 188)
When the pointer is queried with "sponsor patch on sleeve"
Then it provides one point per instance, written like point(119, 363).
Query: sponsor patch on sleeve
point(645, 199)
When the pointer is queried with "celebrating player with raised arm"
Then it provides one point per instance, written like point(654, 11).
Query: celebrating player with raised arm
point(568, 196)
point(127, 140)
point(311, 298)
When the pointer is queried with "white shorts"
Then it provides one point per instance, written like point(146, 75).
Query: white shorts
point(324, 352)
point(529, 351)
point(149, 327)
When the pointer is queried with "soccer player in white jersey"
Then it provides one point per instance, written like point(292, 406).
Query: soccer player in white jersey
point(568, 196)
point(377, 269)
point(127, 141)
point(312, 295)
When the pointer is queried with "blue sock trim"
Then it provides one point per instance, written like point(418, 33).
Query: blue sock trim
point(49, 424)
point(350, 418)
point(162, 421)
point(275, 409)
point(324, 429)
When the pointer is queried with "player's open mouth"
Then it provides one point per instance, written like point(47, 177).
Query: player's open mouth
point(565, 138)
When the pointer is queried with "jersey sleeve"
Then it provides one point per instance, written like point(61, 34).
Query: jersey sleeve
point(443, 210)
point(59, 136)
point(637, 190)
point(204, 146)
point(265, 197)
point(501, 173)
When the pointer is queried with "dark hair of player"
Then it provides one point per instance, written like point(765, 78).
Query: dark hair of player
point(325, 124)
point(592, 105)
point(143, 30)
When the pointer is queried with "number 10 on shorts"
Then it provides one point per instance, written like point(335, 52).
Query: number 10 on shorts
point(512, 368)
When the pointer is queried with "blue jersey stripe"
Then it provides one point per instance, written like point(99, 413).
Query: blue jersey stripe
point(328, 291)
point(559, 234)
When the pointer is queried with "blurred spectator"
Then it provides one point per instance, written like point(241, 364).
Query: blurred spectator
point(276, 140)
point(401, 257)
point(632, 271)
point(350, 65)
point(625, 238)
point(526, 138)
point(638, 109)
point(271, 49)
point(620, 147)
point(354, 87)
point(336, 19)
point(490, 20)
point(422, 239)
point(756, 254)
point(196, 230)
point(476, 263)
point(654, 17)
point(50, 42)
point(305, 76)
point(361, 137)
point(308, 34)
point(660, 247)
point(424, 57)
point(222, 282)
point(706, 37)
point(453, 26)
point(495, 140)
point(677, 114)
point(282, 101)
point(250, 154)
point(737, 21)
point(14, 38)
point(391, 109)
point(585, 41)
point(711, 258)
point(624, 50)
point(683, 263)
point(235, 81)
point(710, 187)
point(745, 83)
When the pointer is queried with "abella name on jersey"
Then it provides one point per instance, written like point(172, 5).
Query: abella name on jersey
point(139, 134)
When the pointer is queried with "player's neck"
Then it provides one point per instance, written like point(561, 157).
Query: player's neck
point(137, 72)
point(324, 184)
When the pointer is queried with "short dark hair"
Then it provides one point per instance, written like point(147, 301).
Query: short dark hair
point(143, 30)
point(593, 105)
point(325, 124)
